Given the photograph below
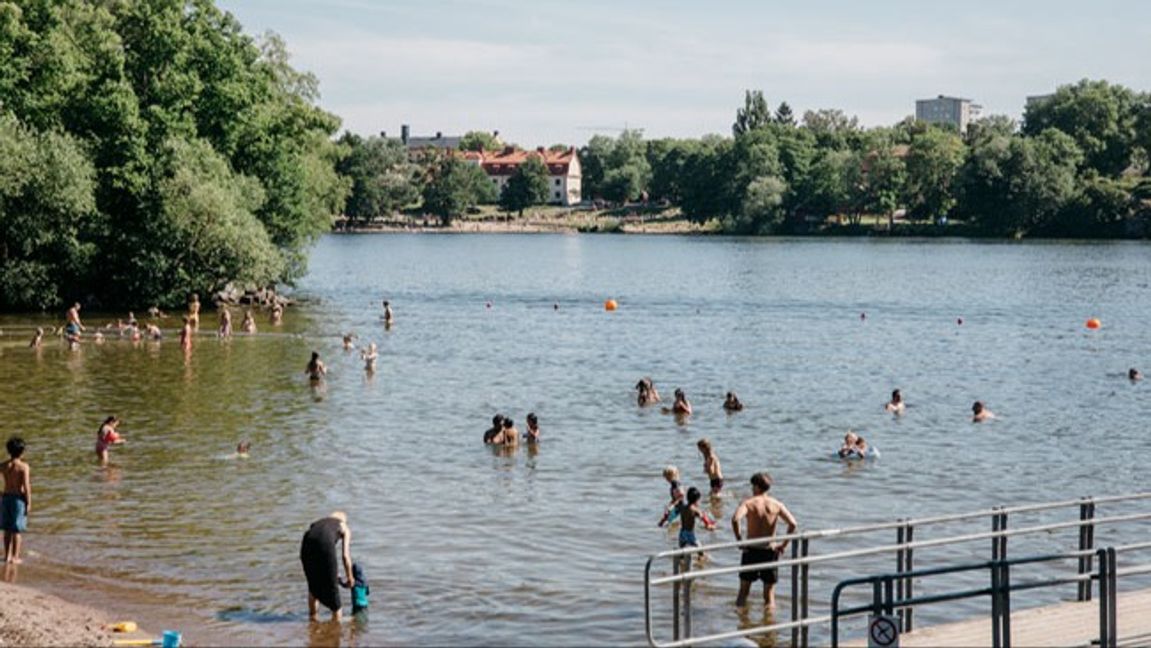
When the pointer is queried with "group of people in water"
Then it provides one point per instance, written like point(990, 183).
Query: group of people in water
point(503, 432)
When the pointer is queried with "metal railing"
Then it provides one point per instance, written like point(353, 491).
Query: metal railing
point(801, 560)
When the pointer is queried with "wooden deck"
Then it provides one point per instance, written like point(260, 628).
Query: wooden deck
point(1066, 624)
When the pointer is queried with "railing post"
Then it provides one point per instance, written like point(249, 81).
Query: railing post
point(1005, 608)
point(795, 593)
point(900, 569)
point(804, 573)
point(1086, 543)
point(999, 542)
point(675, 588)
point(909, 587)
point(996, 603)
point(1113, 592)
point(687, 598)
point(1105, 638)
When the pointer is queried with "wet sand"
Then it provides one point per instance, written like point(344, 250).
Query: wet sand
point(31, 618)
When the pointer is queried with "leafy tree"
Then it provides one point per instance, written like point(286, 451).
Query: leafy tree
point(881, 183)
point(762, 209)
point(707, 185)
point(626, 171)
point(784, 116)
point(832, 128)
point(1100, 117)
point(480, 141)
point(933, 162)
point(528, 186)
point(754, 114)
point(828, 190)
point(594, 164)
point(383, 180)
point(667, 158)
point(454, 186)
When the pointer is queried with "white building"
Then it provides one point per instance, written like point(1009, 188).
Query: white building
point(564, 173)
point(956, 111)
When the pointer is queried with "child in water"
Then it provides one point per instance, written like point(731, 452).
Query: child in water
point(896, 406)
point(106, 437)
point(671, 474)
point(533, 432)
point(711, 466)
point(688, 512)
point(369, 356)
point(732, 403)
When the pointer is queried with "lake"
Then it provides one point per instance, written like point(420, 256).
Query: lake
point(463, 545)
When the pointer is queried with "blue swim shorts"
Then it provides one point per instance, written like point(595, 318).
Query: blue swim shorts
point(687, 539)
point(13, 513)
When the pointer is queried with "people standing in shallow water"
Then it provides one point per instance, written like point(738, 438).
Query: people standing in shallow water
point(72, 326)
point(315, 369)
point(762, 512)
point(711, 465)
point(533, 430)
point(37, 339)
point(979, 413)
point(16, 503)
point(647, 394)
point(732, 404)
point(688, 512)
point(249, 323)
point(671, 475)
point(510, 437)
point(896, 405)
point(349, 341)
point(277, 314)
point(389, 318)
point(106, 437)
point(681, 407)
point(225, 322)
point(194, 311)
point(493, 435)
point(369, 356)
point(1134, 375)
point(186, 334)
point(322, 563)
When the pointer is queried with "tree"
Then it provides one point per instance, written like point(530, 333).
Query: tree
point(832, 129)
point(454, 186)
point(762, 210)
point(594, 163)
point(784, 116)
point(754, 114)
point(1100, 117)
point(828, 189)
point(624, 172)
point(528, 186)
point(480, 141)
point(933, 162)
point(881, 183)
point(383, 181)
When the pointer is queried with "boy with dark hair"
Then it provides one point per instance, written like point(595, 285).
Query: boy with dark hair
point(17, 499)
point(689, 512)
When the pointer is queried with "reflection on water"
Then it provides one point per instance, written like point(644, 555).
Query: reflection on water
point(464, 544)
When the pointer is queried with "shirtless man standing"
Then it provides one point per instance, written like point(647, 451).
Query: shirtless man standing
point(389, 318)
point(73, 328)
point(711, 465)
point(762, 512)
point(17, 500)
point(979, 413)
point(194, 311)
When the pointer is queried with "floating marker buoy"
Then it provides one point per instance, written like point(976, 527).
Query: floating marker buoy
point(959, 321)
point(862, 316)
point(488, 305)
point(610, 305)
point(1094, 323)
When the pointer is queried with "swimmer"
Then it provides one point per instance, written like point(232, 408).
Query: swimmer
point(849, 444)
point(194, 311)
point(315, 369)
point(493, 435)
point(896, 406)
point(533, 432)
point(349, 343)
point(369, 356)
point(98, 337)
point(37, 339)
point(647, 392)
point(711, 465)
point(186, 333)
point(152, 330)
point(688, 512)
point(671, 474)
point(681, 407)
point(73, 327)
point(861, 447)
point(249, 323)
point(388, 317)
point(242, 448)
point(277, 314)
point(1134, 375)
point(732, 403)
point(106, 437)
point(510, 436)
point(225, 322)
point(979, 413)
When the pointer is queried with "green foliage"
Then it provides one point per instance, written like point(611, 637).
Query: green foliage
point(454, 186)
point(832, 129)
point(1100, 117)
point(933, 162)
point(754, 114)
point(762, 210)
point(480, 141)
point(616, 169)
point(143, 87)
point(383, 180)
point(784, 116)
point(528, 186)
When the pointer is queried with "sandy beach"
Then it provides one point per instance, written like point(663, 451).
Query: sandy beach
point(32, 618)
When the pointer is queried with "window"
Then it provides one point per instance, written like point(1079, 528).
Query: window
point(557, 195)
point(557, 182)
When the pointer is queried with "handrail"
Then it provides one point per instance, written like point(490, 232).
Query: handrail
point(799, 561)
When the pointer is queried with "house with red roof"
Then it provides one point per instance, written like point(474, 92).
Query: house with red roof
point(564, 174)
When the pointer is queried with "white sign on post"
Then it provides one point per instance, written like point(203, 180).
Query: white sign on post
point(882, 632)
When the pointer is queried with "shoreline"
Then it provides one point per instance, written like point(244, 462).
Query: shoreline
point(33, 617)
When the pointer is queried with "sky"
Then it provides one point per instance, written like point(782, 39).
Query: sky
point(544, 72)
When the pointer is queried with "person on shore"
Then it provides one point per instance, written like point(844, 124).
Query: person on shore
point(106, 437)
point(675, 491)
point(510, 437)
point(647, 394)
point(493, 435)
point(277, 314)
point(369, 356)
point(688, 512)
point(533, 431)
point(225, 322)
point(37, 339)
point(681, 407)
point(349, 341)
point(315, 369)
point(896, 405)
point(194, 311)
point(1134, 375)
point(389, 318)
point(321, 562)
point(73, 327)
point(249, 323)
point(762, 512)
point(16, 503)
point(979, 413)
point(732, 404)
point(186, 333)
point(711, 466)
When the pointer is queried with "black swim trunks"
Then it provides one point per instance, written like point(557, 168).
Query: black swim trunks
point(755, 557)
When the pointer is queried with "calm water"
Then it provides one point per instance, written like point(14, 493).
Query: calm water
point(466, 546)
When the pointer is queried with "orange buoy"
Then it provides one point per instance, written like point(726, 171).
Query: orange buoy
point(610, 305)
point(1094, 323)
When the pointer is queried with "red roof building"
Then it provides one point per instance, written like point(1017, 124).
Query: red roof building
point(564, 175)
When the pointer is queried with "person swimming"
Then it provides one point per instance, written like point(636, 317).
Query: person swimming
point(249, 323)
point(493, 434)
point(855, 447)
point(731, 403)
point(37, 339)
point(979, 413)
point(1134, 375)
point(369, 356)
point(533, 431)
point(315, 369)
point(349, 341)
point(510, 436)
point(154, 332)
point(243, 448)
point(896, 405)
point(647, 394)
point(681, 407)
